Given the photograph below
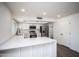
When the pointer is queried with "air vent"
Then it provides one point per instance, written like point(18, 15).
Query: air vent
point(39, 18)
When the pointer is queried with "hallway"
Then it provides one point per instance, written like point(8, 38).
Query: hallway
point(65, 52)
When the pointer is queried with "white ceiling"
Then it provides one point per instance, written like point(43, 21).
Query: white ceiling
point(35, 9)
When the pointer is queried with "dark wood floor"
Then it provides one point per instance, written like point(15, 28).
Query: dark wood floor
point(63, 51)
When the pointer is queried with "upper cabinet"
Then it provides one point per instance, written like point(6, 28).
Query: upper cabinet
point(23, 26)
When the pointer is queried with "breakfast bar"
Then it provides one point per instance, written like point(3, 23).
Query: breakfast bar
point(19, 46)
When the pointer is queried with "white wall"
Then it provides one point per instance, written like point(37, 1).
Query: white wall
point(5, 23)
point(66, 31)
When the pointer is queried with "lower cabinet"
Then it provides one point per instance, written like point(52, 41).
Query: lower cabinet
point(26, 52)
point(43, 50)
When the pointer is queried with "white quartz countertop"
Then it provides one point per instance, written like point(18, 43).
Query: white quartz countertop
point(19, 41)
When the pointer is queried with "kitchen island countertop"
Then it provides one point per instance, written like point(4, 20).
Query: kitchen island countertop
point(20, 41)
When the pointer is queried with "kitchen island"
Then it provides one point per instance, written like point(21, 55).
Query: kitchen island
point(19, 46)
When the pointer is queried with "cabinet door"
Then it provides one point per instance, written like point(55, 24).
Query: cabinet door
point(26, 52)
point(37, 51)
point(46, 50)
point(49, 50)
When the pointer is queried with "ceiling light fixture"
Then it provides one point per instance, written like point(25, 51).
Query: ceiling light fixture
point(22, 10)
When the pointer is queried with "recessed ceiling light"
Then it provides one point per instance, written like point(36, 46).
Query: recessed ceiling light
point(44, 13)
point(22, 10)
point(58, 15)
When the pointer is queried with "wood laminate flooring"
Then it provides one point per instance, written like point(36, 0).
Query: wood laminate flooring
point(63, 51)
